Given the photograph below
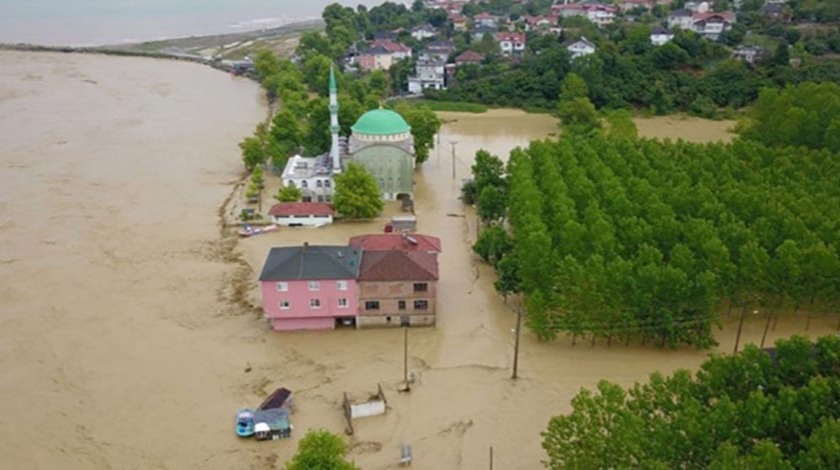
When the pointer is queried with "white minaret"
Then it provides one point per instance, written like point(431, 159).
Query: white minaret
point(334, 150)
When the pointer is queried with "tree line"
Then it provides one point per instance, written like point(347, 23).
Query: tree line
point(616, 237)
point(757, 409)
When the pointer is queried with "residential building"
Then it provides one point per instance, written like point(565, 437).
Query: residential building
point(438, 50)
point(697, 7)
point(479, 32)
point(459, 23)
point(596, 12)
point(776, 11)
point(634, 5)
point(396, 241)
point(397, 288)
point(428, 74)
point(749, 53)
point(398, 51)
point(541, 23)
point(422, 32)
point(712, 25)
point(486, 20)
point(581, 47)
point(469, 57)
point(709, 24)
point(294, 214)
point(511, 44)
point(310, 287)
point(375, 58)
point(660, 36)
point(681, 18)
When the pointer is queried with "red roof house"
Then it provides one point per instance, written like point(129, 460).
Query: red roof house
point(301, 213)
point(395, 241)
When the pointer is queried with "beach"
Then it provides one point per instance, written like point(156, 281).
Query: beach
point(131, 331)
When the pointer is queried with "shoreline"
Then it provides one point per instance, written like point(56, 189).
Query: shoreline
point(181, 48)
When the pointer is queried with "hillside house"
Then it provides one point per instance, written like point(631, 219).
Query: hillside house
point(375, 58)
point(310, 287)
point(581, 47)
point(423, 31)
point(486, 20)
point(428, 74)
point(438, 50)
point(511, 44)
point(598, 13)
point(479, 32)
point(660, 36)
point(469, 57)
point(396, 241)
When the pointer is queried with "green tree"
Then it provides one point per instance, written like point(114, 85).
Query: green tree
point(424, 126)
point(356, 193)
point(289, 194)
point(491, 204)
point(254, 151)
point(321, 450)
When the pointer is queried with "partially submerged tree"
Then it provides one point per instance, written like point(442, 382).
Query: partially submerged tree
point(289, 194)
point(321, 450)
point(356, 193)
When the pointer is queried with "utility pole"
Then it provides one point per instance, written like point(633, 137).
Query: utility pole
point(740, 327)
point(453, 158)
point(516, 344)
point(405, 359)
point(491, 457)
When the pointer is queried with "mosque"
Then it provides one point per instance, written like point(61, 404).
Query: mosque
point(381, 141)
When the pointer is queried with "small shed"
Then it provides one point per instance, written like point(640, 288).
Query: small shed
point(297, 214)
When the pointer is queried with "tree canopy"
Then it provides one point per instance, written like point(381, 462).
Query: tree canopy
point(356, 193)
point(756, 409)
point(321, 450)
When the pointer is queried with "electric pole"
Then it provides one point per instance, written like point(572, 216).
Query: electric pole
point(405, 359)
point(516, 344)
point(453, 158)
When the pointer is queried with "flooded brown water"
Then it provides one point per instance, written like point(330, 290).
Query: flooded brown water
point(126, 335)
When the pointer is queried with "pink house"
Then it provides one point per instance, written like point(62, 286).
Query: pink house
point(310, 287)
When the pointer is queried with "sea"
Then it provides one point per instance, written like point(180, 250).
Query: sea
point(105, 22)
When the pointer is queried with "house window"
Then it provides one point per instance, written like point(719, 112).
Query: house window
point(342, 303)
point(318, 183)
point(314, 285)
point(304, 184)
point(316, 303)
point(372, 305)
point(284, 305)
point(282, 286)
point(421, 287)
point(320, 198)
point(341, 285)
point(327, 183)
point(329, 198)
point(421, 305)
point(401, 305)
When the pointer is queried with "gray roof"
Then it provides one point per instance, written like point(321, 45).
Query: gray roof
point(290, 263)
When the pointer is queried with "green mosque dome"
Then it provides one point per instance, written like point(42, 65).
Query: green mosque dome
point(380, 122)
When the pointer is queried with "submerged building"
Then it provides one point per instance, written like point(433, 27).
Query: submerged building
point(381, 141)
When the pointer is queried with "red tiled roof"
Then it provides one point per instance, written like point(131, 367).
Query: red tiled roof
point(725, 15)
point(513, 37)
point(484, 16)
point(398, 266)
point(469, 56)
point(285, 209)
point(396, 241)
point(390, 46)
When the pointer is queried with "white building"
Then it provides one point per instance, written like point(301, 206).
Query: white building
point(660, 36)
point(429, 74)
point(423, 32)
point(581, 47)
point(312, 175)
point(511, 43)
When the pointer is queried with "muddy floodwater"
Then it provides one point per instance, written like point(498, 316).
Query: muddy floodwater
point(129, 332)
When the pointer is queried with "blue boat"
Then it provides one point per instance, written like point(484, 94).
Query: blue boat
point(245, 422)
